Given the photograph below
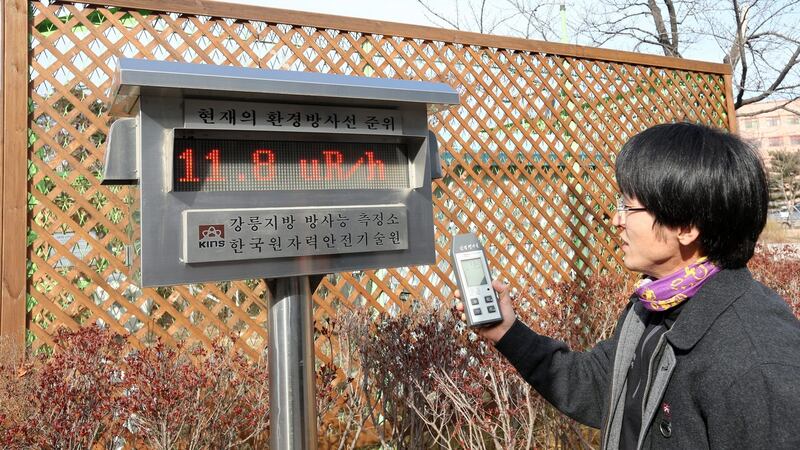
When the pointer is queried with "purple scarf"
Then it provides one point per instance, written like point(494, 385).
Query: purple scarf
point(674, 289)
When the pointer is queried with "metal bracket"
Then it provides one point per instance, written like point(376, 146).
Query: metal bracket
point(436, 162)
point(121, 158)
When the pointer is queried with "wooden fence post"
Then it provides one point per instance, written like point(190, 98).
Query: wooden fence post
point(13, 169)
point(733, 125)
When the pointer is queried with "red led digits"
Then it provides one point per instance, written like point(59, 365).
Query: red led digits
point(353, 169)
point(333, 161)
point(240, 165)
point(213, 156)
point(188, 166)
point(333, 164)
point(263, 165)
point(374, 165)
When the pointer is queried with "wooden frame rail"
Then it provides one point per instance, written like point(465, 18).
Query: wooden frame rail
point(328, 21)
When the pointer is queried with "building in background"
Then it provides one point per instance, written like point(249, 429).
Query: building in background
point(770, 126)
point(774, 128)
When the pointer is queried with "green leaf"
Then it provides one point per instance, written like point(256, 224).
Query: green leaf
point(32, 138)
point(32, 236)
point(47, 27)
point(45, 186)
point(30, 338)
point(96, 17)
point(32, 169)
point(30, 302)
point(30, 269)
point(82, 283)
point(32, 202)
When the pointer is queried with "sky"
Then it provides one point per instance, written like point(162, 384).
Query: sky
point(411, 12)
point(403, 11)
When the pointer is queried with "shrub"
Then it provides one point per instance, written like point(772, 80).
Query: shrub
point(479, 401)
point(199, 399)
point(72, 398)
point(397, 356)
point(16, 384)
point(95, 390)
point(778, 267)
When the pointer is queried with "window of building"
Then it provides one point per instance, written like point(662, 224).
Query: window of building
point(751, 123)
point(794, 120)
point(773, 121)
point(795, 140)
point(776, 141)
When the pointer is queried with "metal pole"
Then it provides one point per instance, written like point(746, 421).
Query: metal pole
point(293, 409)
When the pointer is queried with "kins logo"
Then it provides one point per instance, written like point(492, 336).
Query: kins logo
point(211, 236)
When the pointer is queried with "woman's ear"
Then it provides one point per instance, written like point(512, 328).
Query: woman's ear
point(688, 235)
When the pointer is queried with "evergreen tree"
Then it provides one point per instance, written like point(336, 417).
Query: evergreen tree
point(784, 171)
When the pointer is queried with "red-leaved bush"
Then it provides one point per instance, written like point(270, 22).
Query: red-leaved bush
point(96, 390)
point(195, 399)
point(478, 401)
point(396, 357)
point(778, 267)
point(69, 400)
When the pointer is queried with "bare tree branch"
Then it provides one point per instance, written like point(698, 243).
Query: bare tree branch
point(780, 105)
point(673, 20)
point(787, 38)
point(480, 18)
point(440, 16)
point(775, 84)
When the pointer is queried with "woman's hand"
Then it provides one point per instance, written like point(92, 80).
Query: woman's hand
point(495, 332)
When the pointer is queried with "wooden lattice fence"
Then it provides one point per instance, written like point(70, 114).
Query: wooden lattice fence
point(528, 156)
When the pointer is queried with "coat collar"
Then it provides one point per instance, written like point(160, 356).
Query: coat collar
point(700, 312)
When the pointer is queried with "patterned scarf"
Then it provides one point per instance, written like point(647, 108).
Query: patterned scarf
point(674, 289)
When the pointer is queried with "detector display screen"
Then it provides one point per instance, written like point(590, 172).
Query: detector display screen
point(473, 272)
point(265, 165)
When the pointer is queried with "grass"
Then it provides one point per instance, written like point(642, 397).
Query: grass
point(775, 233)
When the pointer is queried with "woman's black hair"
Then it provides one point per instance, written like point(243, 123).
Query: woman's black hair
point(693, 175)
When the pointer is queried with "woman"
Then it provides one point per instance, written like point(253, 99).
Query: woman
point(703, 356)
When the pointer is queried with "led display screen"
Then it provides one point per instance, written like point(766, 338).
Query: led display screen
point(473, 272)
point(207, 165)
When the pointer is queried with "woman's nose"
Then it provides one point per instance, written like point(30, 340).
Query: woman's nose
point(616, 219)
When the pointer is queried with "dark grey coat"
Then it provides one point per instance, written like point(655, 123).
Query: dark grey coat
point(728, 372)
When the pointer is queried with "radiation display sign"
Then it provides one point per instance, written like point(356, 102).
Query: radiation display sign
point(247, 173)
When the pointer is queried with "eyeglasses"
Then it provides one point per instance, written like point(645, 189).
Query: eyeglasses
point(623, 210)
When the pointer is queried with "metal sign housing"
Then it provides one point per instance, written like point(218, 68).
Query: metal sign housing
point(248, 173)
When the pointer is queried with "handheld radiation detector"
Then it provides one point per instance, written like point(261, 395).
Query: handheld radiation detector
point(474, 281)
